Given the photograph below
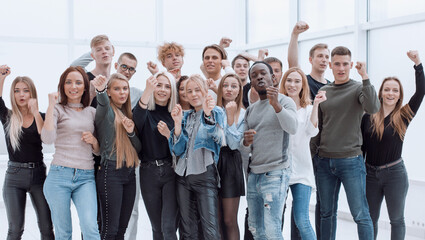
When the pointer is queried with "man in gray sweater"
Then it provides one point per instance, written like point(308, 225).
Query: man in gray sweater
point(268, 123)
point(340, 157)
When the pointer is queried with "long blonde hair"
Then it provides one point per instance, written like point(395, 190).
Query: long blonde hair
point(398, 115)
point(173, 96)
point(16, 120)
point(305, 91)
point(124, 149)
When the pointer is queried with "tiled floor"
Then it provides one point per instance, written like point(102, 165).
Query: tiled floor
point(346, 229)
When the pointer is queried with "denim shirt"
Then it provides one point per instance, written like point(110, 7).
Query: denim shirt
point(210, 137)
point(234, 133)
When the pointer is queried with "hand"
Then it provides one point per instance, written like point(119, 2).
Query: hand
point(320, 97)
point(176, 72)
point(262, 54)
point(88, 137)
point(248, 137)
point(53, 98)
point(414, 56)
point(33, 106)
point(99, 82)
point(225, 63)
point(163, 129)
point(152, 67)
point(272, 95)
point(4, 71)
point(127, 123)
point(361, 69)
point(225, 42)
point(203, 70)
point(300, 27)
point(177, 115)
point(211, 84)
point(151, 83)
point(231, 108)
point(208, 105)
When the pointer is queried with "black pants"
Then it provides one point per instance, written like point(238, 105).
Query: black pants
point(158, 187)
point(199, 194)
point(18, 182)
point(392, 184)
point(116, 189)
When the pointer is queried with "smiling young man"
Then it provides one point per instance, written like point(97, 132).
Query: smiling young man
point(268, 124)
point(340, 157)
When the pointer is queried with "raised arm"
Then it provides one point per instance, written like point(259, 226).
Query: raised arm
point(286, 113)
point(83, 61)
point(368, 97)
point(416, 100)
point(99, 83)
point(48, 132)
point(320, 97)
point(33, 108)
point(293, 43)
point(4, 72)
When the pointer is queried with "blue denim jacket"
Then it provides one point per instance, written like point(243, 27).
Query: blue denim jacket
point(210, 137)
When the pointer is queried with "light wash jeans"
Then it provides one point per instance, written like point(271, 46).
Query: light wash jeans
point(300, 208)
point(351, 172)
point(63, 184)
point(266, 194)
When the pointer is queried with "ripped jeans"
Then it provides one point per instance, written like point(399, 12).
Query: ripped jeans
point(266, 194)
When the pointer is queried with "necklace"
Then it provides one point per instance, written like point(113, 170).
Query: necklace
point(74, 105)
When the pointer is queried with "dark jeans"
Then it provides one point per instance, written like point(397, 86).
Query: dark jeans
point(116, 189)
point(18, 182)
point(317, 209)
point(199, 194)
point(158, 187)
point(391, 183)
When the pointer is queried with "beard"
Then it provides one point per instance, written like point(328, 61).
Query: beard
point(262, 92)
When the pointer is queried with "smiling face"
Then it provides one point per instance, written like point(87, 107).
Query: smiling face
point(195, 94)
point(118, 92)
point(22, 94)
point(74, 87)
point(212, 61)
point(341, 66)
point(173, 60)
point(162, 91)
point(277, 71)
point(390, 93)
point(293, 84)
point(230, 89)
point(103, 53)
point(261, 78)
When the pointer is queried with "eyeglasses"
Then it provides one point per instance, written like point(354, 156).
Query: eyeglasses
point(125, 68)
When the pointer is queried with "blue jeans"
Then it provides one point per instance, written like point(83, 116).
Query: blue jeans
point(391, 183)
point(300, 206)
point(63, 184)
point(331, 172)
point(266, 196)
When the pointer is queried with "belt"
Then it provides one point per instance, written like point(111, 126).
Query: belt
point(384, 166)
point(25, 165)
point(157, 163)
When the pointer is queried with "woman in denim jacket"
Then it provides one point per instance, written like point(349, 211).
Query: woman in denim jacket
point(196, 139)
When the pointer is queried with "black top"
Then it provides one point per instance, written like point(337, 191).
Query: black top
point(154, 145)
point(389, 148)
point(30, 144)
point(94, 101)
point(314, 86)
point(245, 99)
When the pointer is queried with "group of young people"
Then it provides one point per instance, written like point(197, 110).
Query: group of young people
point(194, 145)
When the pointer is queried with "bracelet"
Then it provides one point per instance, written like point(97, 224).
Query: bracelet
point(131, 134)
point(143, 104)
point(101, 91)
